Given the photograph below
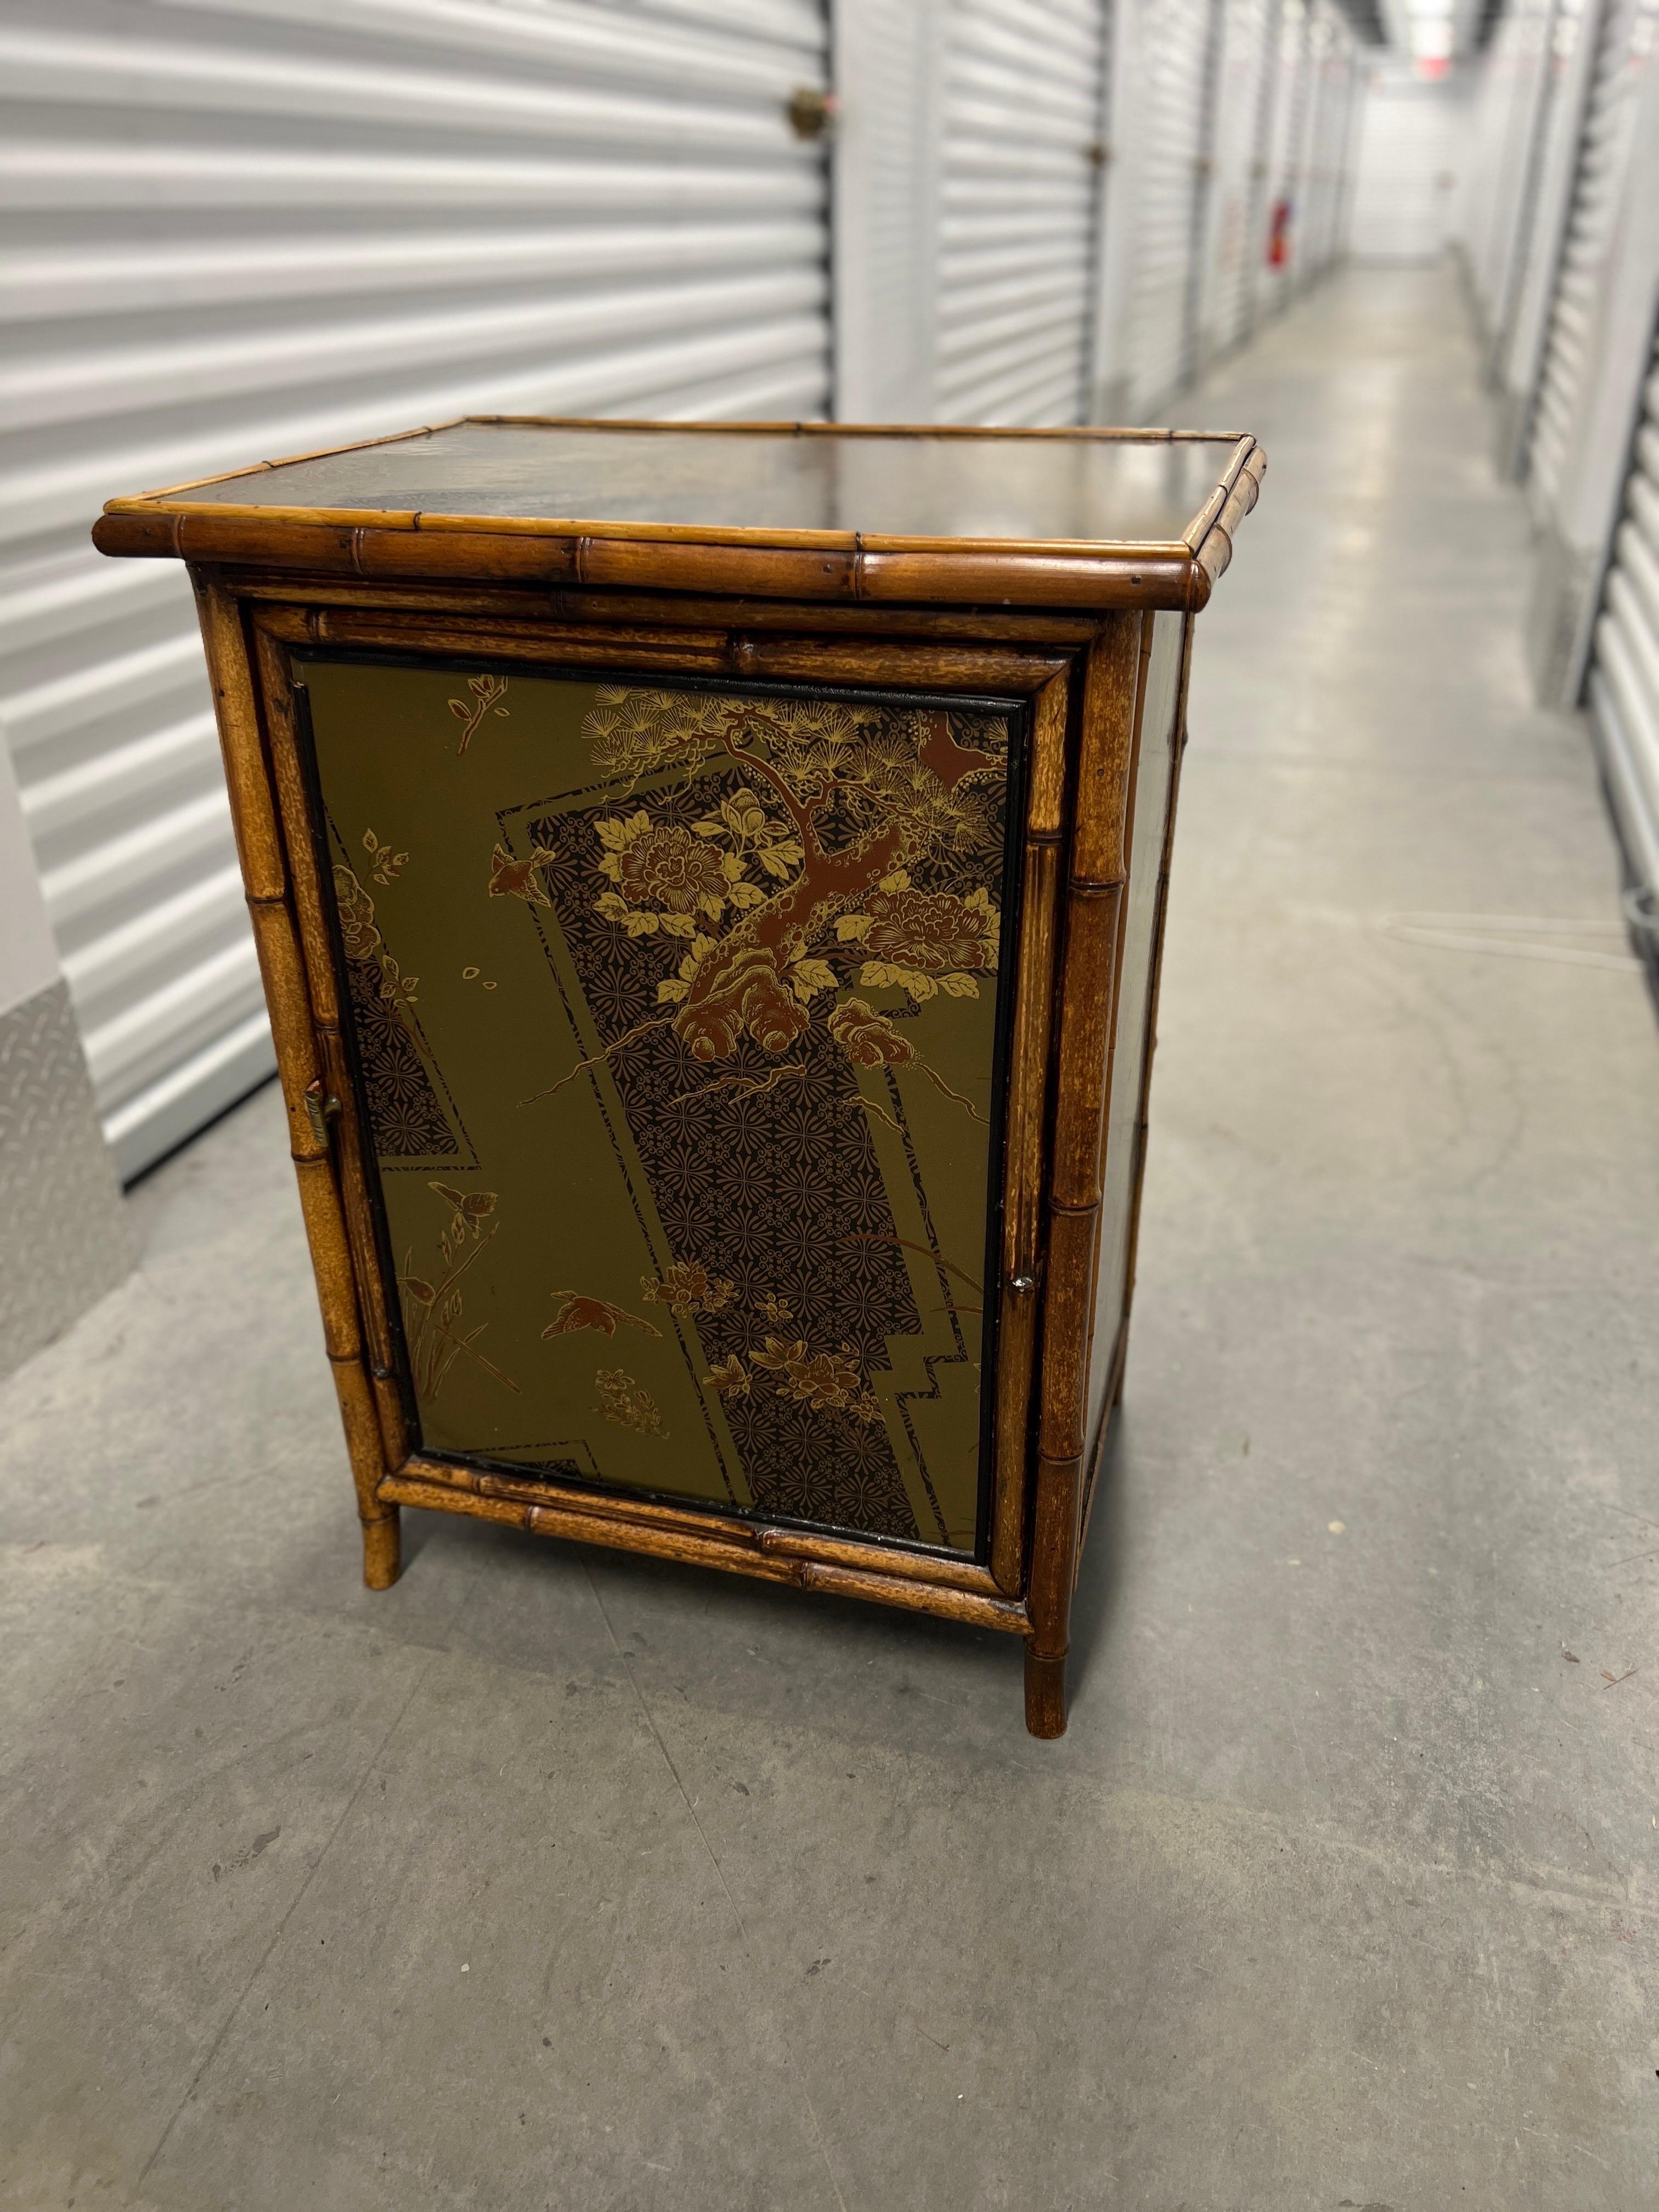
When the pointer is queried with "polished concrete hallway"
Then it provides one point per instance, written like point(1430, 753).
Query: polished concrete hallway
point(554, 1879)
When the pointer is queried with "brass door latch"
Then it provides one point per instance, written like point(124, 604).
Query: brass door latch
point(320, 1105)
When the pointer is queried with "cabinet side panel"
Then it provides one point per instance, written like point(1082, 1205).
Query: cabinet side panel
point(1159, 739)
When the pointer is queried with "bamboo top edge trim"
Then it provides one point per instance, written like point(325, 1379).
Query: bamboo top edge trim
point(1090, 494)
point(1118, 551)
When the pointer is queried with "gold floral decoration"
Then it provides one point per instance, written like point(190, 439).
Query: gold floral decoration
point(360, 934)
point(925, 942)
point(817, 1379)
point(824, 1378)
point(384, 864)
point(358, 931)
point(688, 1288)
point(797, 886)
point(433, 1311)
point(627, 1403)
point(730, 1377)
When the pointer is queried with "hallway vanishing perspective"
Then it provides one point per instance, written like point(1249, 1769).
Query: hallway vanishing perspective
point(1340, 1889)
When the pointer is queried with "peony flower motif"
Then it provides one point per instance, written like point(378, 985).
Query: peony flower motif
point(688, 1287)
point(774, 1309)
point(627, 1403)
point(865, 1406)
point(730, 1377)
point(662, 869)
point(930, 930)
point(579, 1313)
point(511, 878)
point(868, 1039)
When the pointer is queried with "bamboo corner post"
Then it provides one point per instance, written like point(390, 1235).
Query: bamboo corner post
point(708, 882)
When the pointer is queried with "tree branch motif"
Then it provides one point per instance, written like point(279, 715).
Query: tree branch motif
point(753, 953)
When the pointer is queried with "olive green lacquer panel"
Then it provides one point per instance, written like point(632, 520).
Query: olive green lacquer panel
point(677, 1015)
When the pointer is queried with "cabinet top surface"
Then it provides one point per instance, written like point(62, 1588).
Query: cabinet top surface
point(1113, 488)
point(976, 506)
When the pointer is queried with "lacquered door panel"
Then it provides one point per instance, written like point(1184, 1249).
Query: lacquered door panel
point(677, 1016)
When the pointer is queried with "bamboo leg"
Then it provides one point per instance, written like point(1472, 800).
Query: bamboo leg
point(382, 1552)
point(383, 1560)
point(1045, 1694)
point(292, 1023)
point(1054, 1571)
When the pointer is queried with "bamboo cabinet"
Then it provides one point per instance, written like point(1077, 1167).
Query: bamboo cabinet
point(708, 882)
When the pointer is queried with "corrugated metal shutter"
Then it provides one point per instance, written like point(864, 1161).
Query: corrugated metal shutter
point(1626, 37)
point(883, 208)
point(1233, 239)
point(1172, 46)
point(243, 228)
point(1018, 194)
point(1303, 189)
point(1332, 64)
point(1518, 354)
point(1623, 683)
point(1285, 154)
point(1514, 85)
point(1345, 69)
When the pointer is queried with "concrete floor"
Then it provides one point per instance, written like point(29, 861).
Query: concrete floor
point(549, 1880)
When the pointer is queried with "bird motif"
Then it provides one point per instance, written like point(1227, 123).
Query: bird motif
point(511, 878)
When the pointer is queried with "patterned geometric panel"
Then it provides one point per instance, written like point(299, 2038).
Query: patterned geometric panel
point(677, 1013)
point(64, 1237)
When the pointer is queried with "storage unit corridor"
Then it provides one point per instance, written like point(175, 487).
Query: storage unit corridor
point(709, 882)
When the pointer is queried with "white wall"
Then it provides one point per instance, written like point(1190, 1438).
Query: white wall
point(1414, 151)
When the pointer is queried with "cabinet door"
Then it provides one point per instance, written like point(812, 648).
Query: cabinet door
point(677, 1016)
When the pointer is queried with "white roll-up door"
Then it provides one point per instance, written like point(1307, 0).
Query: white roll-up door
point(1171, 113)
point(1333, 66)
point(245, 228)
point(1343, 148)
point(1018, 193)
point(1276, 264)
point(1532, 31)
point(883, 207)
point(1233, 236)
point(1304, 233)
point(1519, 350)
point(1623, 51)
point(1624, 683)
point(1303, 189)
point(1509, 121)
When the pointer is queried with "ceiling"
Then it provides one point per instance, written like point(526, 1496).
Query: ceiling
point(1431, 32)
